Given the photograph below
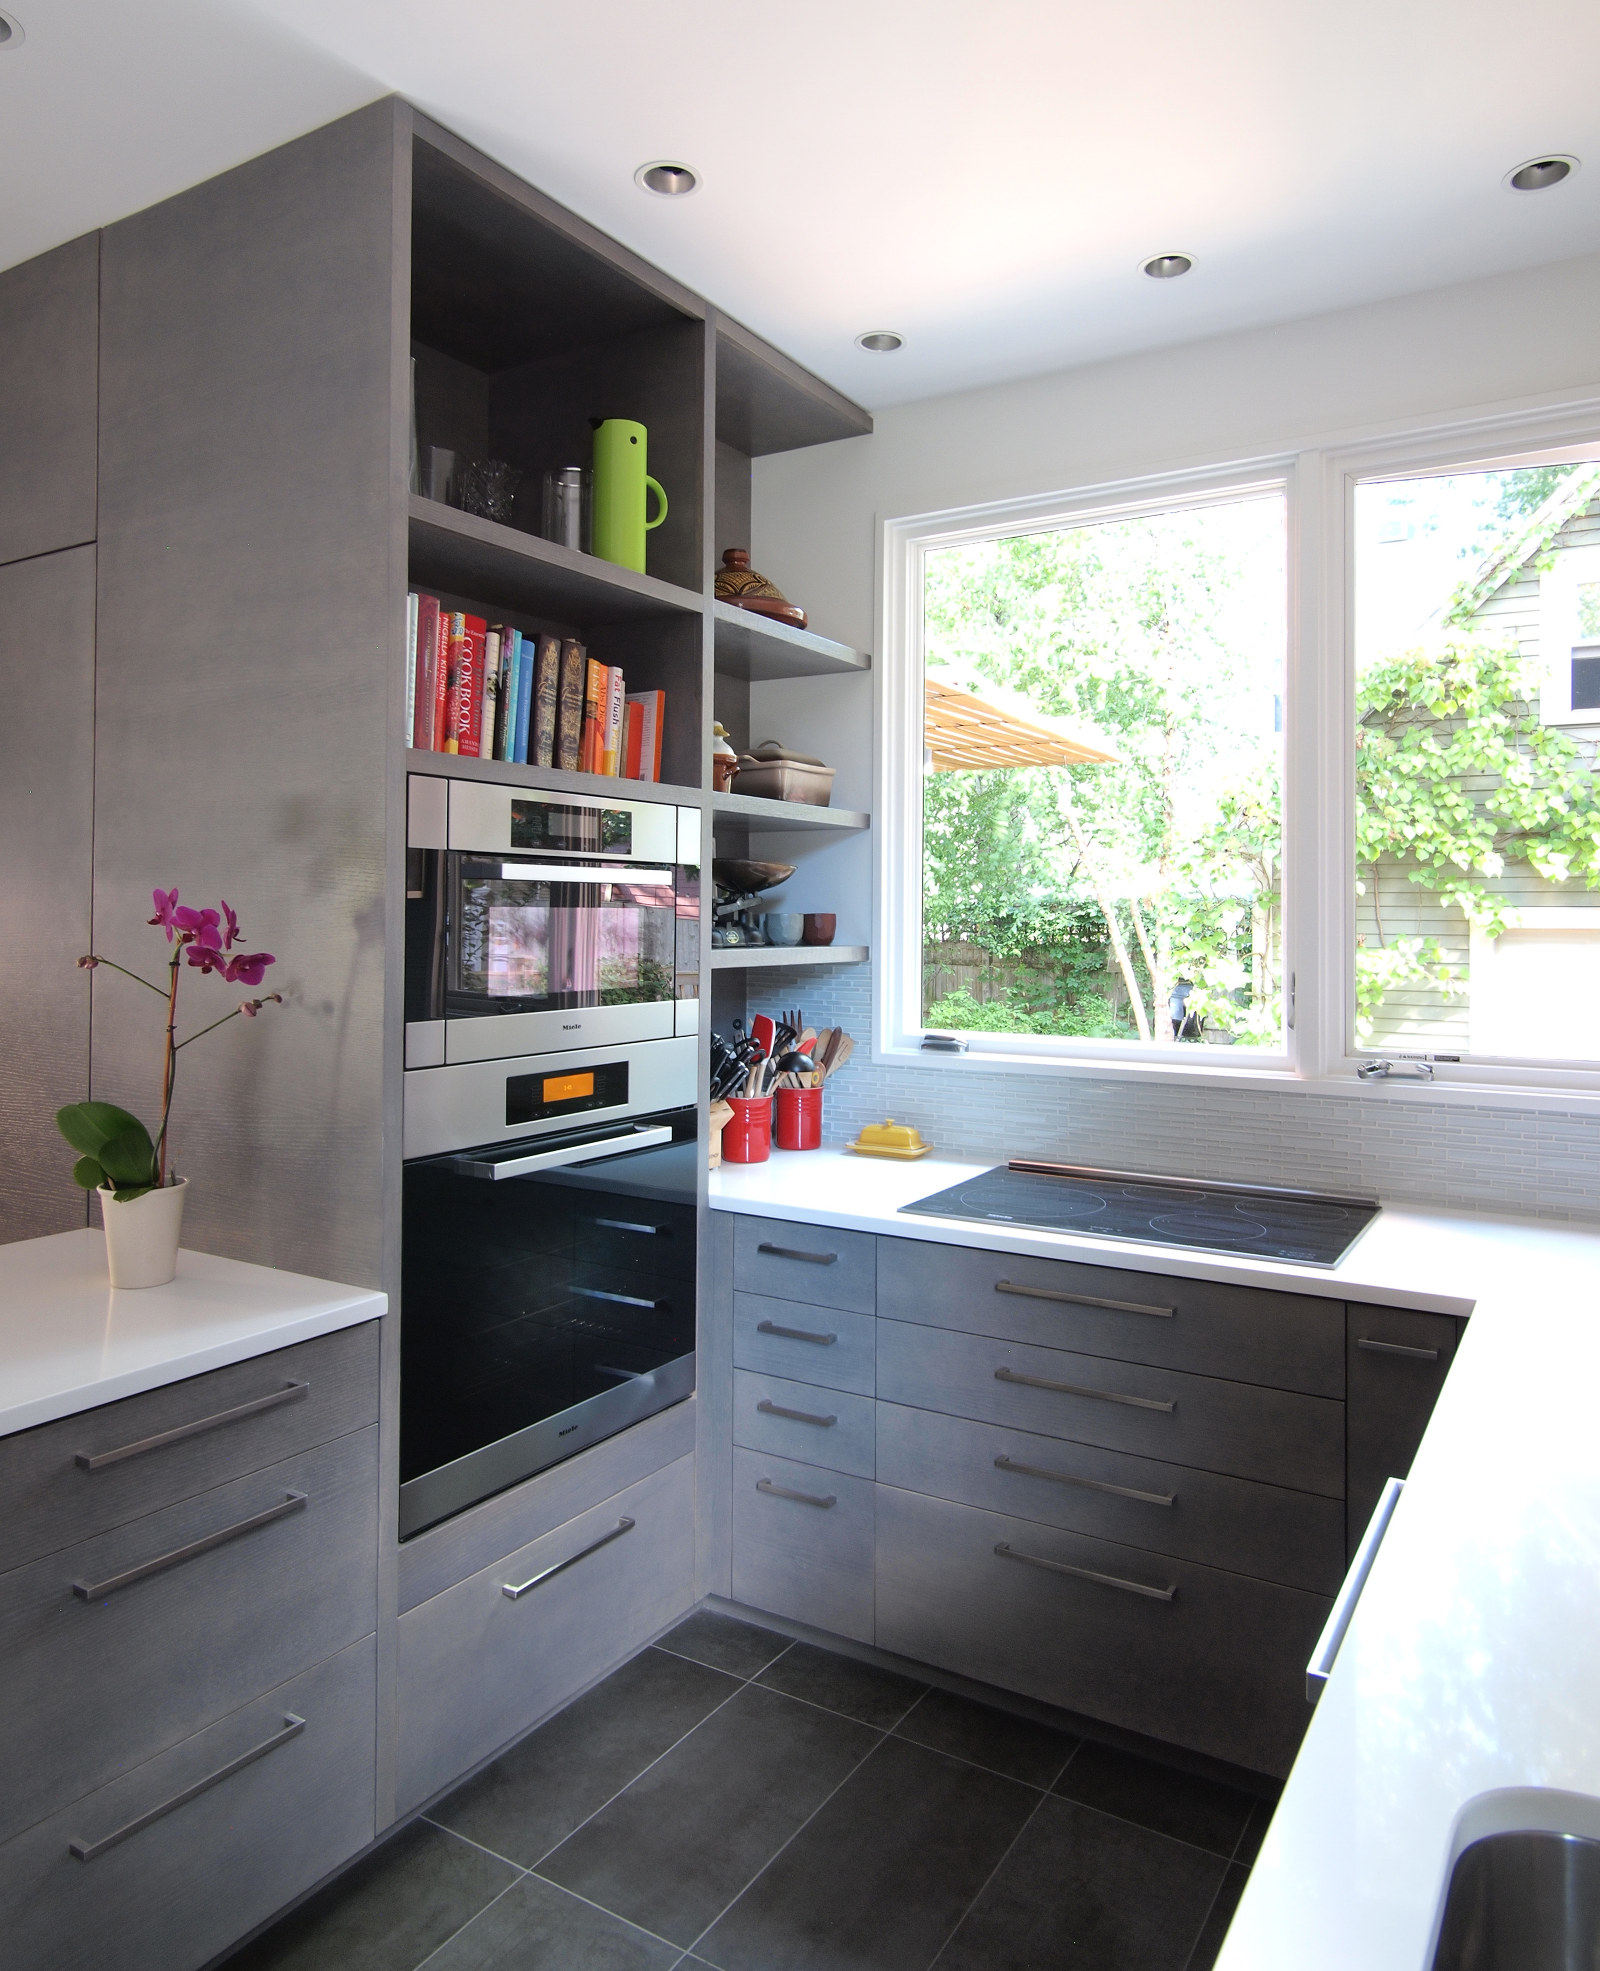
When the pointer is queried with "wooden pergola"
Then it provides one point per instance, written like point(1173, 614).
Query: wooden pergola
point(964, 734)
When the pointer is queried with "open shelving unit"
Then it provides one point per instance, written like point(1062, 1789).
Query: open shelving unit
point(757, 649)
point(771, 957)
point(759, 816)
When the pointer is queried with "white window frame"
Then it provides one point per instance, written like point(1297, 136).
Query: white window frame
point(1319, 481)
point(1559, 641)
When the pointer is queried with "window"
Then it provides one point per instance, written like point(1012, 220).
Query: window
point(1477, 804)
point(1101, 806)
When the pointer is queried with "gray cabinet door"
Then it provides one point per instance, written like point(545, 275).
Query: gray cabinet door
point(824, 1345)
point(1246, 1334)
point(66, 1481)
point(478, 1668)
point(1265, 1531)
point(103, 1671)
point(46, 842)
point(50, 331)
point(1191, 1655)
point(803, 1543)
point(819, 1264)
point(1268, 1434)
point(206, 1869)
point(1397, 1364)
point(793, 1420)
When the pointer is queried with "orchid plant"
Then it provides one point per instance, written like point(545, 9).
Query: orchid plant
point(115, 1150)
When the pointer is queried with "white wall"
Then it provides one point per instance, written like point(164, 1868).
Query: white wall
point(1510, 339)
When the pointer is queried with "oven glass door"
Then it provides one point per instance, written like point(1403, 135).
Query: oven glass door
point(541, 1311)
point(531, 934)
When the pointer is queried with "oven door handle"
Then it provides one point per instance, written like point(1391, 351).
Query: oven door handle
point(628, 1139)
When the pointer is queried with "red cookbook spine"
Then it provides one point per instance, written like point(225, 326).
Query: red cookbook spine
point(426, 712)
point(469, 684)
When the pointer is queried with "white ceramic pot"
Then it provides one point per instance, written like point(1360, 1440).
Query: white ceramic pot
point(142, 1235)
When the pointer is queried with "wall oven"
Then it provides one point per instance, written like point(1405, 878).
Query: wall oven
point(548, 1263)
point(538, 921)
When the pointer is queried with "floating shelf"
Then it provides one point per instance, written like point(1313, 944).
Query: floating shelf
point(466, 555)
point(499, 773)
point(768, 957)
point(759, 816)
point(758, 649)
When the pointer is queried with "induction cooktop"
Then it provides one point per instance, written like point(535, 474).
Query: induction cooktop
point(1158, 1211)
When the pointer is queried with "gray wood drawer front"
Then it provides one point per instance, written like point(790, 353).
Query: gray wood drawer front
point(815, 1263)
point(477, 1668)
point(803, 1543)
point(824, 1345)
point(53, 1501)
point(1267, 1434)
point(1220, 1667)
point(1260, 1530)
point(1398, 1361)
point(1244, 1334)
point(182, 1888)
point(827, 1427)
point(95, 1685)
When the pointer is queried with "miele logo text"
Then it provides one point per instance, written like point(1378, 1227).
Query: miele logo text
point(572, 1026)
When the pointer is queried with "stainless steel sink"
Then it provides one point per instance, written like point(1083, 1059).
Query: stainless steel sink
point(1523, 1902)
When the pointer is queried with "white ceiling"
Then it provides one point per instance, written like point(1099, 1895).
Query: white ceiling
point(983, 178)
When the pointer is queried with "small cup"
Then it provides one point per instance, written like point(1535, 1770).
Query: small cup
point(783, 926)
point(820, 927)
point(799, 1118)
point(748, 1137)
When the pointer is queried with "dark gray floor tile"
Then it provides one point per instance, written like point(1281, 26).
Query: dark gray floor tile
point(1255, 1832)
point(534, 1795)
point(877, 1880)
point(687, 1835)
point(1159, 1797)
point(388, 1912)
point(1084, 1892)
point(839, 1683)
point(724, 1642)
point(538, 1927)
point(1005, 1744)
point(1209, 1943)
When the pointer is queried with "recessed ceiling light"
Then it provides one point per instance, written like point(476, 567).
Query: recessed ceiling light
point(1166, 266)
point(880, 341)
point(11, 35)
point(667, 179)
point(1540, 173)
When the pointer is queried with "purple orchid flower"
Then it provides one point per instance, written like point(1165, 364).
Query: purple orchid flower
point(232, 936)
point(166, 902)
point(208, 959)
point(247, 967)
point(200, 925)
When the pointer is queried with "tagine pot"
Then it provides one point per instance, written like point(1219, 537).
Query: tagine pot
point(142, 1234)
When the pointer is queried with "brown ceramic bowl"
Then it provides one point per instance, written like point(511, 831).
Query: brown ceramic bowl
point(819, 928)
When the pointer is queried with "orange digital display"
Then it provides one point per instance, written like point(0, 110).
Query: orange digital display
point(568, 1087)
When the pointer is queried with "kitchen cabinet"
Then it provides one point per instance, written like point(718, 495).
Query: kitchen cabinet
point(1396, 1363)
point(187, 1647)
point(1121, 1492)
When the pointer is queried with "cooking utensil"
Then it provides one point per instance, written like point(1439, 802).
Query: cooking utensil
point(762, 1032)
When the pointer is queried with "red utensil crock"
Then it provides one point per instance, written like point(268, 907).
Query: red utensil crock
point(799, 1118)
point(748, 1138)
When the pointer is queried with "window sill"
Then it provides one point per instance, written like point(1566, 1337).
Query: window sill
point(1488, 1089)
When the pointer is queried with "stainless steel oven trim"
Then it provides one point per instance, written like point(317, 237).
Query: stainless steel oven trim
point(485, 1037)
point(480, 821)
point(434, 1495)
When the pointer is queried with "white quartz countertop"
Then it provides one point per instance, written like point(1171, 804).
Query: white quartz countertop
point(1471, 1669)
point(69, 1340)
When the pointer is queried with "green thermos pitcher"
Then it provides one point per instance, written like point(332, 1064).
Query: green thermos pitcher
point(620, 486)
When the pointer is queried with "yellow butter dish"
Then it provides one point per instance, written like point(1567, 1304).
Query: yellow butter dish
point(890, 1139)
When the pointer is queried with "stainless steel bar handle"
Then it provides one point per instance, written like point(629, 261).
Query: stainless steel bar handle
point(627, 1225)
point(1396, 1348)
point(98, 1460)
point(1320, 1668)
point(1081, 1389)
point(1090, 1484)
point(515, 1593)
point(606, 1146)
point(793, 1252)
point(770, 1409)
point(802, 1498)
point(1008, 1552)
point(97, 1590)
point(621, 1299)
point(86, 1851)
point(1083, 1300)
point(795, 1334)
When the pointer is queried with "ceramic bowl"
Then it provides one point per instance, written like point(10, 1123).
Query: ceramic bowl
point(783, 926)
